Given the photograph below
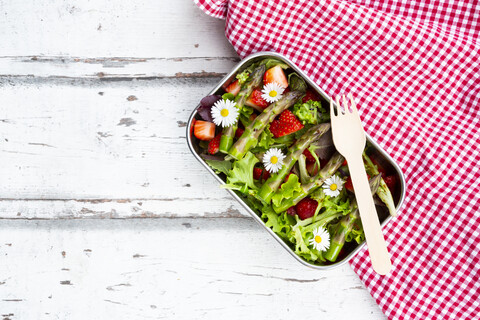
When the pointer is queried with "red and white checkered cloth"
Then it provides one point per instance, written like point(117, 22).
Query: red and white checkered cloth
point(413, 66)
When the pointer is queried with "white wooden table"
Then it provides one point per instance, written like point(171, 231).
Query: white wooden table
point(104, 212)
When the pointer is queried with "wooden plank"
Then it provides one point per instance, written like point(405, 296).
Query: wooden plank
point(101, 140)
point(114, 68)
point(163, 268)
point(103, 28)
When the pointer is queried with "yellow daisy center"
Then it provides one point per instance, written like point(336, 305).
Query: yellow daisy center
point(224, 112)
point(273, 159)
point(272, 93)
point(333, 187)
point(318, 239)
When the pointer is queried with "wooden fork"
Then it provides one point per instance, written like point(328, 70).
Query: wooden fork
point(349, 139)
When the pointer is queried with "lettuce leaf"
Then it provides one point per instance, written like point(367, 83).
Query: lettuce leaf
point(220, 166)
point(287, 192)
point(266, 139)
point(308, 112)
point(281, 223)
point(295, 82)
point(242, 77)
point(241, 176)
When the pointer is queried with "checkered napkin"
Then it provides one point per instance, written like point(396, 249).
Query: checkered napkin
point(413, 66)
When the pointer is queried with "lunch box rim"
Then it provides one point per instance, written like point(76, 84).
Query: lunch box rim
point(221, 83)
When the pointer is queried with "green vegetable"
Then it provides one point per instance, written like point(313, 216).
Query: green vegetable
point(383, 191)
point(220, 166)
point(349, 227)
point(241, 176)
point(228, 96)
point(295, 82)
point(252, 133)
point(228, 133)
point(308, 112)
point(242, 77)
point(271, 185)
point(288, 190)
point(281, 224)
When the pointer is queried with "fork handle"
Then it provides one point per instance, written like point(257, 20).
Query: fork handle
point(377, 247)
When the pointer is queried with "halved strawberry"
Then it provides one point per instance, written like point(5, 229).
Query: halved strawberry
point(390, 181)
point(292, 211)
point(233, 88)
point(256, 101)
point(192, 125)
point(306, 208)
point(310, 95)
point(239, 132)
point(204, 130)
point(277, 75)
point(286, 123)
point(309, 156)
point(214, 144)
point(260, 173)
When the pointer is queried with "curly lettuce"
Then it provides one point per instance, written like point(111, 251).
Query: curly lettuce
point(308, 112)
point(240, 177)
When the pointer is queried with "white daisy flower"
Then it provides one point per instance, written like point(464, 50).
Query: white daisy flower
point(273, 160)
point(272, 92)
point(332, 186)
point(224, 113)
point(321, 239)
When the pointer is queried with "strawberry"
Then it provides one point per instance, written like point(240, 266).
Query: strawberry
point(277, 75)
point(286, 123)
point(312, 168)
point(256, 101)
point(239, 132)
point(233, 88)
point(306, 208)
point(193, 124)
point(390, 181)
point(309, 156)
point(349, 184)
point(260, 173)
point(204, 130)
point(344, 163)
point(252, 116)
point(310, 95)
point(214, 144)
point(291, 211)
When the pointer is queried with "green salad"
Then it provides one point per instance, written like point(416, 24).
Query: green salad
point(268, 135)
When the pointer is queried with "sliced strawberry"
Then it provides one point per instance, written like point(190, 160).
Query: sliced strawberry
point(192, 125)
point(256, 101)
point(310, 95)
point(306, 208)
point(309, 156)
point(277, 75)
point(239, 132)
point(291, 211)
point(252, 116)
point(286, 123)
point(233, 88)
point(204, 130)
point(260, 173)
point(214, 144)
point(344, 163)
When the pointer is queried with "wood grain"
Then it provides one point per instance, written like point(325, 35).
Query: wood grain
point(173, 269)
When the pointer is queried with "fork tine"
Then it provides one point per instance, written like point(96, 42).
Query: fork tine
point(339, 109)
point(332, 111)
point(354, 106)
point(345, 104)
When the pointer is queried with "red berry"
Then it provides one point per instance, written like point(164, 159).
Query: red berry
point(286, 124)
point(204, 130)
point(260, 173)
point(391, 182)
point(349, 185)
point(344, 163)
point(309, 156)
point(277, 75)
point(214, 144)
point(239, 132)
point(306, 208)
point(312, 168)
point(291, 211)
point(310, 95)
point(256, 101)
point(234, 88)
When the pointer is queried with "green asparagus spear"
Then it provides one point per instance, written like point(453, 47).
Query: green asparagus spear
point(252, 132)
point(294, 152)
point(326, 172)
point(226, 141)
point(346, 224)
point(383, 191)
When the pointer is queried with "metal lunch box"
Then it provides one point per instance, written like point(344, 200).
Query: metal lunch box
point(384, 217)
